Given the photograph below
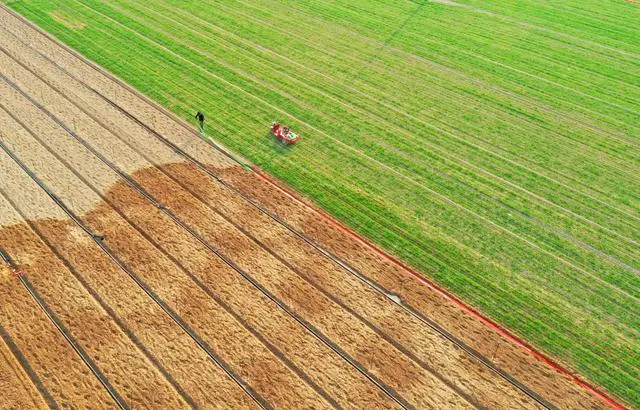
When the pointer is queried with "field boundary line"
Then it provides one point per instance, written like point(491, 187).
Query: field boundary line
point(443, 292)
point(280, 186)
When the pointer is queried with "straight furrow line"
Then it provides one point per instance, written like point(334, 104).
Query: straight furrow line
point(361, 159)
point(22, 277)
point(33, 376)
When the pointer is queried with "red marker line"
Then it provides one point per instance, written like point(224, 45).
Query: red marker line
point(432, 285)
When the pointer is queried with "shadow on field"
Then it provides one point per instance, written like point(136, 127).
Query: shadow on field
point(277, 145)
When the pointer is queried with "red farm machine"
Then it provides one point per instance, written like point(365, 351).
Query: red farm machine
point(284, 134)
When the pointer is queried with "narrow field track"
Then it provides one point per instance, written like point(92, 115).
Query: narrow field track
point(202, 280)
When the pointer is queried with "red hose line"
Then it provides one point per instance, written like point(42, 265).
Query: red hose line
point(432, 285)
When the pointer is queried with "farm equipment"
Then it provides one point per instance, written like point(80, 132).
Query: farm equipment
point(284, 134)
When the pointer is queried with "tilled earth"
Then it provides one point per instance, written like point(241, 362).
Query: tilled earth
point(156, 272)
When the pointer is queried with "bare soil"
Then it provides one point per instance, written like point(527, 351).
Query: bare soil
point(18, 391)
point(63, 374)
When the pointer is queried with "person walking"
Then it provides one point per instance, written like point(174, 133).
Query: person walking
point(200, 118)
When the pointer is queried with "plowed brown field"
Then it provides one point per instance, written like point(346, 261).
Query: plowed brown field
point(154, 271)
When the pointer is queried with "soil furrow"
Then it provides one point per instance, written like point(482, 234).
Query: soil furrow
point(20, 386)
point(63, 374)
point(91, 326)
